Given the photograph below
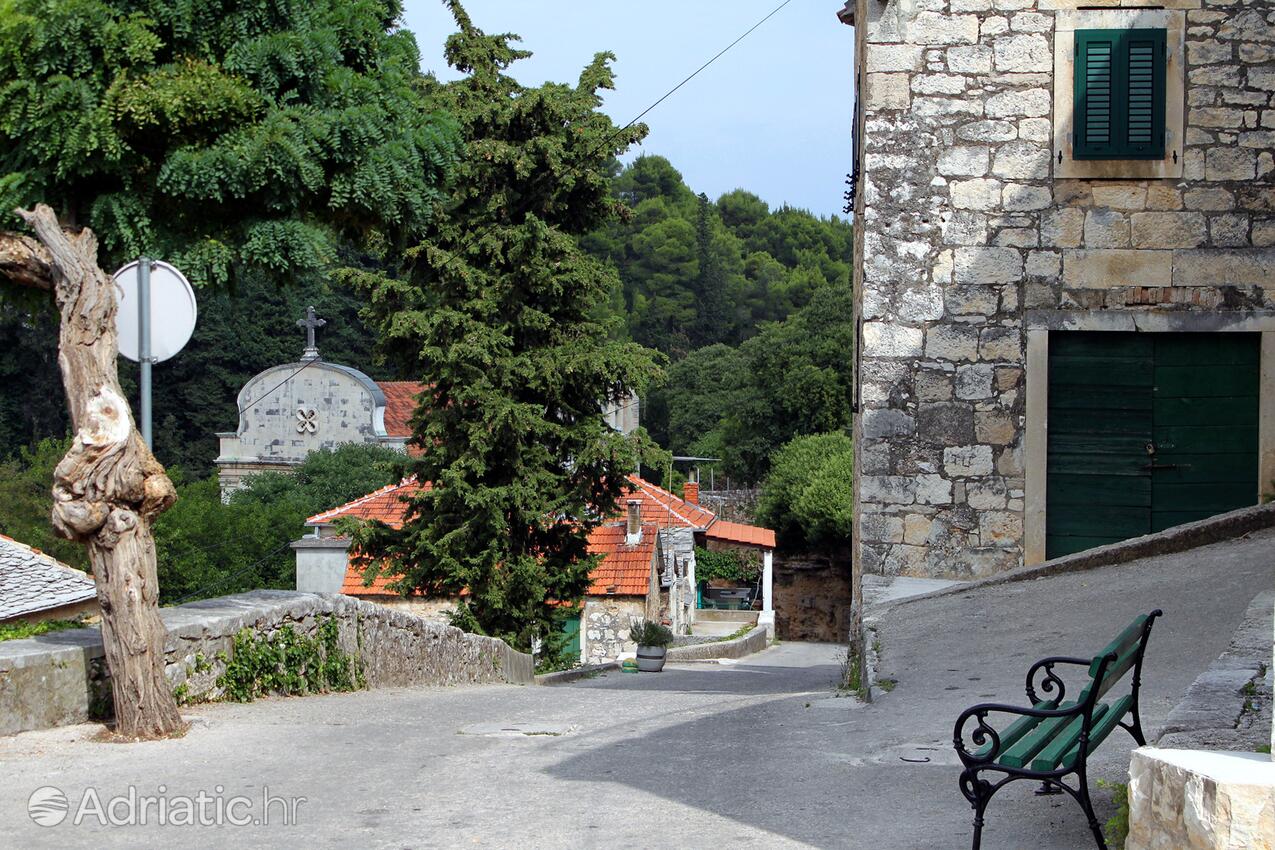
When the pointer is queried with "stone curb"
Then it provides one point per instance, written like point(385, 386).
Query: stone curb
point(755, 641)
point(1212, 714)
point(562, 677)
point(1180, 538)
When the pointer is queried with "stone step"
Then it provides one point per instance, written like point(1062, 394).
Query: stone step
point(713, 615)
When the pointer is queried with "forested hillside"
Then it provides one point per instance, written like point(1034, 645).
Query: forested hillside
point(751, 305)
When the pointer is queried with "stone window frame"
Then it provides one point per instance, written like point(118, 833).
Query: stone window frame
point(1067, 21)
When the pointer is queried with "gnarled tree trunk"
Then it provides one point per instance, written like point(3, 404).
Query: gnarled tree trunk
point(109, 488)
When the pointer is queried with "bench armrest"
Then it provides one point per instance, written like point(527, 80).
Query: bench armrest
point(985, 732)
point(1051, 682)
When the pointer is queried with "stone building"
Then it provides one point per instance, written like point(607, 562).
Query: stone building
point(1064, 274)
point(292, 409)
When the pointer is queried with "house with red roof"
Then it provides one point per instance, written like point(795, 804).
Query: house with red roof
point(647, 567)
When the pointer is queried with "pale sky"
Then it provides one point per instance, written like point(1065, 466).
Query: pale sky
point(771, 116)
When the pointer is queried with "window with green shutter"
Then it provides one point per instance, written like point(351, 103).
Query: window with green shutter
point(1120, 94)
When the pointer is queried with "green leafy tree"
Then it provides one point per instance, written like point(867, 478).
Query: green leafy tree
point(799, 382)
point(221, 135)
point(27, 502)
point(808, 496)
point(207, 548)
point(499, 316)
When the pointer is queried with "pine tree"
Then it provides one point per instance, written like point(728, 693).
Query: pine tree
point(712, 319)
point(499, 318)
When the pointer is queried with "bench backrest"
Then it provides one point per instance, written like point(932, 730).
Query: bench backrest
point(1119, 657)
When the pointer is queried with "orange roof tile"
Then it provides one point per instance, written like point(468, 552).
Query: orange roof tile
point(386, 504)
point(400, 404)
point(625, 569)
point(737, 532)
point(663, 508)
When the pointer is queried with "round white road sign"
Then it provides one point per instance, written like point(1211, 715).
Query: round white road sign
point(173, 310)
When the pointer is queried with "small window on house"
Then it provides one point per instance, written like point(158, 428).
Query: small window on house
point(1119, 99)
point(1119, 93)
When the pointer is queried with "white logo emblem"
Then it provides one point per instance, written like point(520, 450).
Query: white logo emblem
point(47, 806)
point(307, 420)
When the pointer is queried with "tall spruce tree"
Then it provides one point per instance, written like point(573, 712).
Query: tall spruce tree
point(221, 134)
point(498, 317)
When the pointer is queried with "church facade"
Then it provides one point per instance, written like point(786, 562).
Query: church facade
point(292, 409)
point(1064, 274)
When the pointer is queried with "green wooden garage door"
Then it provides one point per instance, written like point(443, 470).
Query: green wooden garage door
point(1147, 431)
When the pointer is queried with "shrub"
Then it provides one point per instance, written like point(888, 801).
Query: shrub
point(738, 567)
point(649, 633)
point(808, 496)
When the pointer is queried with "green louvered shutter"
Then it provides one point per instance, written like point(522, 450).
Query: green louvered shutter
point(1120, 94)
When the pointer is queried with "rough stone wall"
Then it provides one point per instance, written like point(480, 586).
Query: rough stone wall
point(61, 678)
point(966, 232)
point(606, 627)
point(811, 599)
point(732, 505)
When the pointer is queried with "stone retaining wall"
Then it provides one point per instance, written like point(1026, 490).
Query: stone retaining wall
point(755, 641)
point(61, 678)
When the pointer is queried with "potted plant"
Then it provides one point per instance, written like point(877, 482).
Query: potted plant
point(652, 641)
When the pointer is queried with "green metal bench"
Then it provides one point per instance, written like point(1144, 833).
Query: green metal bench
point(1053, 739)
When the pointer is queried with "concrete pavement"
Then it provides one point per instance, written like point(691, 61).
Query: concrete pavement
point(759, 753)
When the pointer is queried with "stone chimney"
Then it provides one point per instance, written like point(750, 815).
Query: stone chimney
point(690, 492)
point(633, 529)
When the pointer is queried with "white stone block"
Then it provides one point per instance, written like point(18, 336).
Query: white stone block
point(1030, 52)
point(1197, 799)
point(881, 339)
point(964, 161)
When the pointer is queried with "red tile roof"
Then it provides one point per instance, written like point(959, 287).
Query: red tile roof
point(386, 504)
point(663, 508)
point(400, 404)
point(624, 567)
point(625, 570)
point(737, 532)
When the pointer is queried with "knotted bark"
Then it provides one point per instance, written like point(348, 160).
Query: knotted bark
point(108, 489)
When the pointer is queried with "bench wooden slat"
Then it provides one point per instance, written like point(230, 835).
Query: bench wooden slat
point(1117, 669)
point(1069, 737)
point(1129, 637)
point(1032, 743)
point(1101, 729)
point(1016, 730)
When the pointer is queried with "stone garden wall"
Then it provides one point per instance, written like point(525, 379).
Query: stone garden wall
point(61, 678)
point(968, 235)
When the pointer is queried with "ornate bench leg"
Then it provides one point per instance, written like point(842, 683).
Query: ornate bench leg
point(1087, 805)
point(979, 793)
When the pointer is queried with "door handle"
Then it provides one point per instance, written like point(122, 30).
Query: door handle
point(1154, 466)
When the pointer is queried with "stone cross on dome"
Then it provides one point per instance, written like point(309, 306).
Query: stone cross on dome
point(311, 324)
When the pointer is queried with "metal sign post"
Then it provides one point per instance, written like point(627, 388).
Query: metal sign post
point(165, 316)
point(144, 345)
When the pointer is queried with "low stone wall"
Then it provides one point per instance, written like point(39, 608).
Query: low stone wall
point(755, 641)
point(1179, 538)
point(61, 678)
point(732, 505)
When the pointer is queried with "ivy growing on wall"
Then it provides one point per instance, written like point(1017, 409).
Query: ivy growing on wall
point(289, 663)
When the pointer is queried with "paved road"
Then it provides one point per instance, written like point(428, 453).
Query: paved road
point(756, 754)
